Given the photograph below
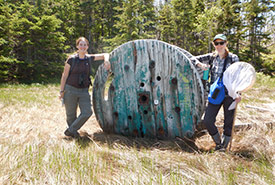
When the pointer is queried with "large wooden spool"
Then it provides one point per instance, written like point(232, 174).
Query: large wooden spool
point(155, 91)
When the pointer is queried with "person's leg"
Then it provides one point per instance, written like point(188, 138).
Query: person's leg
point(71, 102)
point(209, 121)
point(85, 111)
point(210, 118)
point(228, 121)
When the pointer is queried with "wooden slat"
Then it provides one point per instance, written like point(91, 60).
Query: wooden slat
point(120, 115)
point(157, 89)
point(144, 94)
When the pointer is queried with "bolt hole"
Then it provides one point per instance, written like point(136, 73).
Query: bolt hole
point(174, 81)
point(143, 98)
point(145, 112)
point(177, 109)
point(152, 64)
point(142, 84)
point(161, 131)
point(130, 117)
point(158, 78)
point(112, 88)
point(126, 67)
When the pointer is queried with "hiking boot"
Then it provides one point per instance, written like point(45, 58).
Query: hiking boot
point(217, 139)
point(72, 134)
point(225, 141)
point(218, 147)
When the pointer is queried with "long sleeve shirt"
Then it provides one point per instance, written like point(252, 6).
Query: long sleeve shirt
point(216, 63)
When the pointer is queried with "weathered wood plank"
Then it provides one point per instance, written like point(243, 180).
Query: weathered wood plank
point(144, 94)
point(120, 116)
point(133, 116)
point(186, 100)
point(157, 89)
point(260, 108)
point(199, 88)
point(103, 114)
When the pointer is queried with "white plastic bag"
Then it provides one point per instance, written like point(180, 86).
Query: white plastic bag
point(238, 78)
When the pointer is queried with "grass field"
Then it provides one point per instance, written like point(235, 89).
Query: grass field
point(33, 149)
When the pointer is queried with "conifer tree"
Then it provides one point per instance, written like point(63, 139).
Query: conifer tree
point(255, 12)
point(207, 25)
point(133, 22)
point(147, 13)
point(35, 40)
point(229, 23)
point(8, 61)
point(185, 19)
point(166, 26)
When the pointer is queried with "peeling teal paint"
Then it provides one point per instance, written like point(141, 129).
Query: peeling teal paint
point(153, 92)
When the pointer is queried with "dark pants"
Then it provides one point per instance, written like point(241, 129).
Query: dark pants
point(211, 114)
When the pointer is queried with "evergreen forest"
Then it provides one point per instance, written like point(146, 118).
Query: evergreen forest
point(36, 36)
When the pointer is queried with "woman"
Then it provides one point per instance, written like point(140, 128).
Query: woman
point(218, 62)
point(75, 82)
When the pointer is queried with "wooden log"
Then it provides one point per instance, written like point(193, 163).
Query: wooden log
point(155, 92)
point(260, 108)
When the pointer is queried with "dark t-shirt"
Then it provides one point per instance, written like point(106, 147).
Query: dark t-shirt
point(79, 75)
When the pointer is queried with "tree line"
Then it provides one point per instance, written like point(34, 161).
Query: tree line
point(37, 35)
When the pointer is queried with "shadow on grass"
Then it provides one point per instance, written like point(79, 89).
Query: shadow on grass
point(83, 141)
point(113, 140)
point(244, 153)
point(178, 144)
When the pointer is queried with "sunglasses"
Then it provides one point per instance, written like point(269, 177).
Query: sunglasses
point(219, 43)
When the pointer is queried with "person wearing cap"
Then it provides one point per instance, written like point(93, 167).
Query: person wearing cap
point(217, 62)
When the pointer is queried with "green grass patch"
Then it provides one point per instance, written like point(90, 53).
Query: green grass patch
point(28, 95)
point(262, 91)
point(264, 167)
point(265, 80)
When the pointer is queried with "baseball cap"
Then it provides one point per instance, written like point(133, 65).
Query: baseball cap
point(220, 36)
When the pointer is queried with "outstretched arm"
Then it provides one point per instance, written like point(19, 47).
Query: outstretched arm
point(105, 57)
point(202, 61)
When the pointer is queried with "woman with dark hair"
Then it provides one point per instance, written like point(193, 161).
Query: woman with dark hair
point(218, 62)
point(75, 82)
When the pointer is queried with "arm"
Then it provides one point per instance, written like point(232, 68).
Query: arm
point(202, 61)
point(238, 98)
point(64, 77)
point(105, 57)
point(100, 56)
point(203, 66)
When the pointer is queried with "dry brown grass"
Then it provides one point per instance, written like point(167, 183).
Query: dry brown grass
point(33, 149)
